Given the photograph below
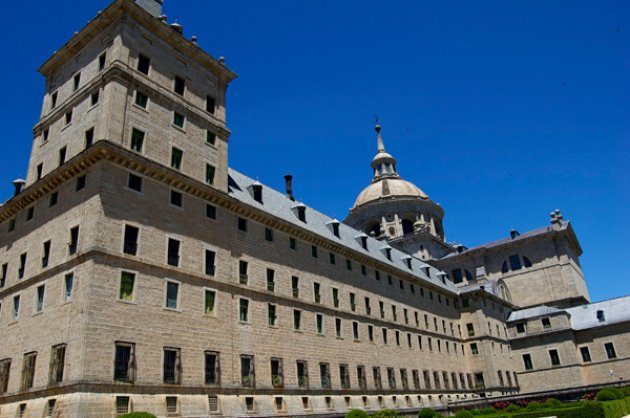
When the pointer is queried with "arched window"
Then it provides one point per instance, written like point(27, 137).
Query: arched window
point(459, 274)
point(407, 226)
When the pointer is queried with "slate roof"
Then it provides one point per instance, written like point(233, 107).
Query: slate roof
point(615, 311)
point(534, 312)
point(509, 240)
point(280, 206)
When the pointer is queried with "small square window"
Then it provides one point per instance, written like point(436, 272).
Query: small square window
point(142, 99)
point(179, 85)
point(122, 404)
point(178, 120)
point(177, 198)
point(242, 224)
point(54, 198)
point(171, 404)
point(292, 243)
point(144, 64)
point(268, 234)
point(211, 211)
point(134, 182)
point(546, 323)
point(30, 212)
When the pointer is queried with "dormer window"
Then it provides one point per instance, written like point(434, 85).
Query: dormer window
point(407, 260)
point(300, 211)
point(256, 191)
point(334, 227)
point(362, 239)
point(427, 271)
point(388, 252)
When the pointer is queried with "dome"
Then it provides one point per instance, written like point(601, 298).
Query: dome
point(388, 188)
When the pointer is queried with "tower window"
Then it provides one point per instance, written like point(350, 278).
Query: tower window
point(211, 138)
point(178, 120)
point(89, 137)
point(179, 86)
point(142, 99)
point(137, 140)
point(94, 98)
point(176, 198)
point(76, 81)
point(101, 61)
point(210, 104)
point(144, 63)
point(176, 158)
point(407, 226)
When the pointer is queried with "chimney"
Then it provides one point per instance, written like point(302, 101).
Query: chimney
point(19, 185)
point(289, 186)
point(154, 7)
point(514, 233)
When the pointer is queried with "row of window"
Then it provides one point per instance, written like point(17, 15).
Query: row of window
point(554, 356)
point(27, 377)
point(73, 248)
point(513, 263)
point(40, 297)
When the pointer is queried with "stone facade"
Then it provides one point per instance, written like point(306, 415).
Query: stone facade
point(139, 272)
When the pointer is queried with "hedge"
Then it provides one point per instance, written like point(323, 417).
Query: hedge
point(357, 413)
point(617, 408)
point(137, 415)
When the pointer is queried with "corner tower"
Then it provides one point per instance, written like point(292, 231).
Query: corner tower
point(397, 211)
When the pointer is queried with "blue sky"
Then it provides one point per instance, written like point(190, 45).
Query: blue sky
point(500, 111)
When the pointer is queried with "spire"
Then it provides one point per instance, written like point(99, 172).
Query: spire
point(383, 164)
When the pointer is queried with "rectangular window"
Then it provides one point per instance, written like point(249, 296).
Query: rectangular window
point(142, 99)
point(338, 327)
point(515, 262)
point(94, 98)
point(361, 378)
point(355, 330)
point(28, 371)
point(40, 170)
point(68, 286)
point(130, 243)
point(68, 118)
point(415, 376)
point(368, 308)
point(436, 380)
point(211, 138)
point(384, 332)
point(520, 327)
point(39, 302)
point(271, 315)
point(271, 283)
point(122, 405)
point(332, 258)
point(427, 379)
point(316, 292)
point(302, 374)
point(247, 371)
point(314, 251)
point(277, 377)
point(371, 333)
point(178, 120)
point(554, 357)
point(381, 307)
point(391, 378)
point(57, 363)
point(179, 85)
point(324, 375)
point(177, 156)
point(45, 255)
point(242, 224)
point(586, 354)
point(5, 369)
point(173, 252)
point(74, 241)
point(209, 265)
point(353, 305)
point(546, 323)
point(127, 286)
point(137, 139)
point(404, 379)
point(89, 137)
point(474, 349)
point(101, 61)
point(53, 100)
point(22, 266)
point(62, 155)
point(210, 170)
point(80, 183)
point(445, 380)
point(376, 374)
point(335, 296)
point(211, 368)
point(171, 368)
point(243, 310)
point(295, 286)
point(470, 329)
point(268, 235)
point(171, 404)
point(242, 272)
point(209, 301)
point(320, 323)
point(527, 362)
point(144, 63)
point(172, 295)
point(292, 243)
point(210, 104)
point(610, 350)
point(344, 376)
point(211, 211)
point(134, 182)
point(297, 317)
point(76, 81)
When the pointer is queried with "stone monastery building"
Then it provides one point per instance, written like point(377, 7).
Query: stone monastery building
point(138, 272)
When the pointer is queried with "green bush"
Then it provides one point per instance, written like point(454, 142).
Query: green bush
point(533, 406)
point(487, 411)
point(357, 413)
point(137, 415)
point(385, 413)
point(552, 403)
point(609, 394)
point(626, 391)
point(513, 408)
point(617, 408)
point(426, 413)
point(464, 414)
point(585, 410)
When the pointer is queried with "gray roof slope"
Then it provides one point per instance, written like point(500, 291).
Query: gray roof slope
point(615, 311)
point(534, 312)
point(509, 240)
point(278, 205)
